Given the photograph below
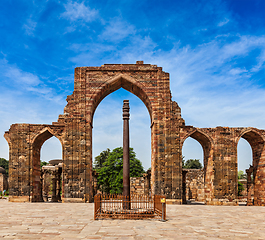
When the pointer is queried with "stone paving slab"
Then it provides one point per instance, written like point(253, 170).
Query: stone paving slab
point(75, 221)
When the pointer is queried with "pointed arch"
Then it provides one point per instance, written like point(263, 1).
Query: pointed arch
point(35, 164)
point(43, 136)
point(120, 81)
point(252, 136)
point(205, 140)
point(256, 141)
point(207, 146)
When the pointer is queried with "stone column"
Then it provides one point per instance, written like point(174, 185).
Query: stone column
point(41, 185)
point(249, 183)
point(59, 184)
point(54, 187)
point(126, 157)
point(184, 173)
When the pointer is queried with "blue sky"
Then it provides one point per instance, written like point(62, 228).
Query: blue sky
point(213, 50)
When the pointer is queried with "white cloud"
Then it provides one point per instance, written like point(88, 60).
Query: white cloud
point(79, 11)
point(206, 81)
point(25, 99)
point(29, 27)
point(20, 77)
point(25, 82)
point(117, 30)
point(224, 22)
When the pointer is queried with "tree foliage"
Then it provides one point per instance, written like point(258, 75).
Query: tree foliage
point(110, 175)
point(240, 188)
point(101, 159)
point(43, 163)
point(191, 164)
point(241, 175)
point(4, 164)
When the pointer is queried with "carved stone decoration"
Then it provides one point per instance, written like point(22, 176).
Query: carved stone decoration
point(168, 133)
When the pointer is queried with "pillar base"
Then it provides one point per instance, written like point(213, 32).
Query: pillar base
point(73, 200)
point(19, 199)
point(223, 202)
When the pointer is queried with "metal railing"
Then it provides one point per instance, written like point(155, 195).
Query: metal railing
point(122, 207)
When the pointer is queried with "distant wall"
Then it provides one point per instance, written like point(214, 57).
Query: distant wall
point(195, 185)
point(3, 182)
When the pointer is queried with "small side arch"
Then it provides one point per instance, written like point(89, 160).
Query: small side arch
point(257, 143)
point(205, 140)
point(207, 146)
point(252, 136)
point(37, 142)
point(43, 136)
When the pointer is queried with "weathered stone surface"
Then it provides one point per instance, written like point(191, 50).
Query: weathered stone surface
point(3, 180)
point(168, 133)
point(195, 184)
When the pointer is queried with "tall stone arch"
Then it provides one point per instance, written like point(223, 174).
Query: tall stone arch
point(151, 85)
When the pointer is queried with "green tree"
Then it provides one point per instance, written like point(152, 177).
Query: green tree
point(241, 175)
point(110, 175)
point(240, 188)
point(101, 158)
point(43, 163)
point(4, 164)
point(191, 164)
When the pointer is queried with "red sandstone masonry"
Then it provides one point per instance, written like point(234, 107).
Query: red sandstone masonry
point(168, 133)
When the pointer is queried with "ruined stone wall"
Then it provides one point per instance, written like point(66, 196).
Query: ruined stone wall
point(195, 185)
point(244, 193)
point(168, 133)
point(74, 130)
point(25, 141)
point(141, 185)
point(220, 161)
point(137, 185)
point(3, 182)
point(151, 85)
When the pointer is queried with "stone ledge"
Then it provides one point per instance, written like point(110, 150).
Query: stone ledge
point(223, 202)
point(73, 200)
point(173, 201)
point(19, 199)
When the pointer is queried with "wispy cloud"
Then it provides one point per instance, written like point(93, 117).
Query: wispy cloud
point(18, 89)
point(117, 30)
point(20, 77)
point(224, 22)
point(23, 82)
point(29, 27)
point(208, 82)
point(79, 11)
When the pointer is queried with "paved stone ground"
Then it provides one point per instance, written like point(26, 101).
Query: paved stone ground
point(75, 221)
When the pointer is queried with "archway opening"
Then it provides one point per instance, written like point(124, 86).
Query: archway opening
point(192, 149)
point(108, 126)
point(47, 153)
point(193, 170)
point(244, 163)
point(51, 149)
point(51, 170)
point(256, 142)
